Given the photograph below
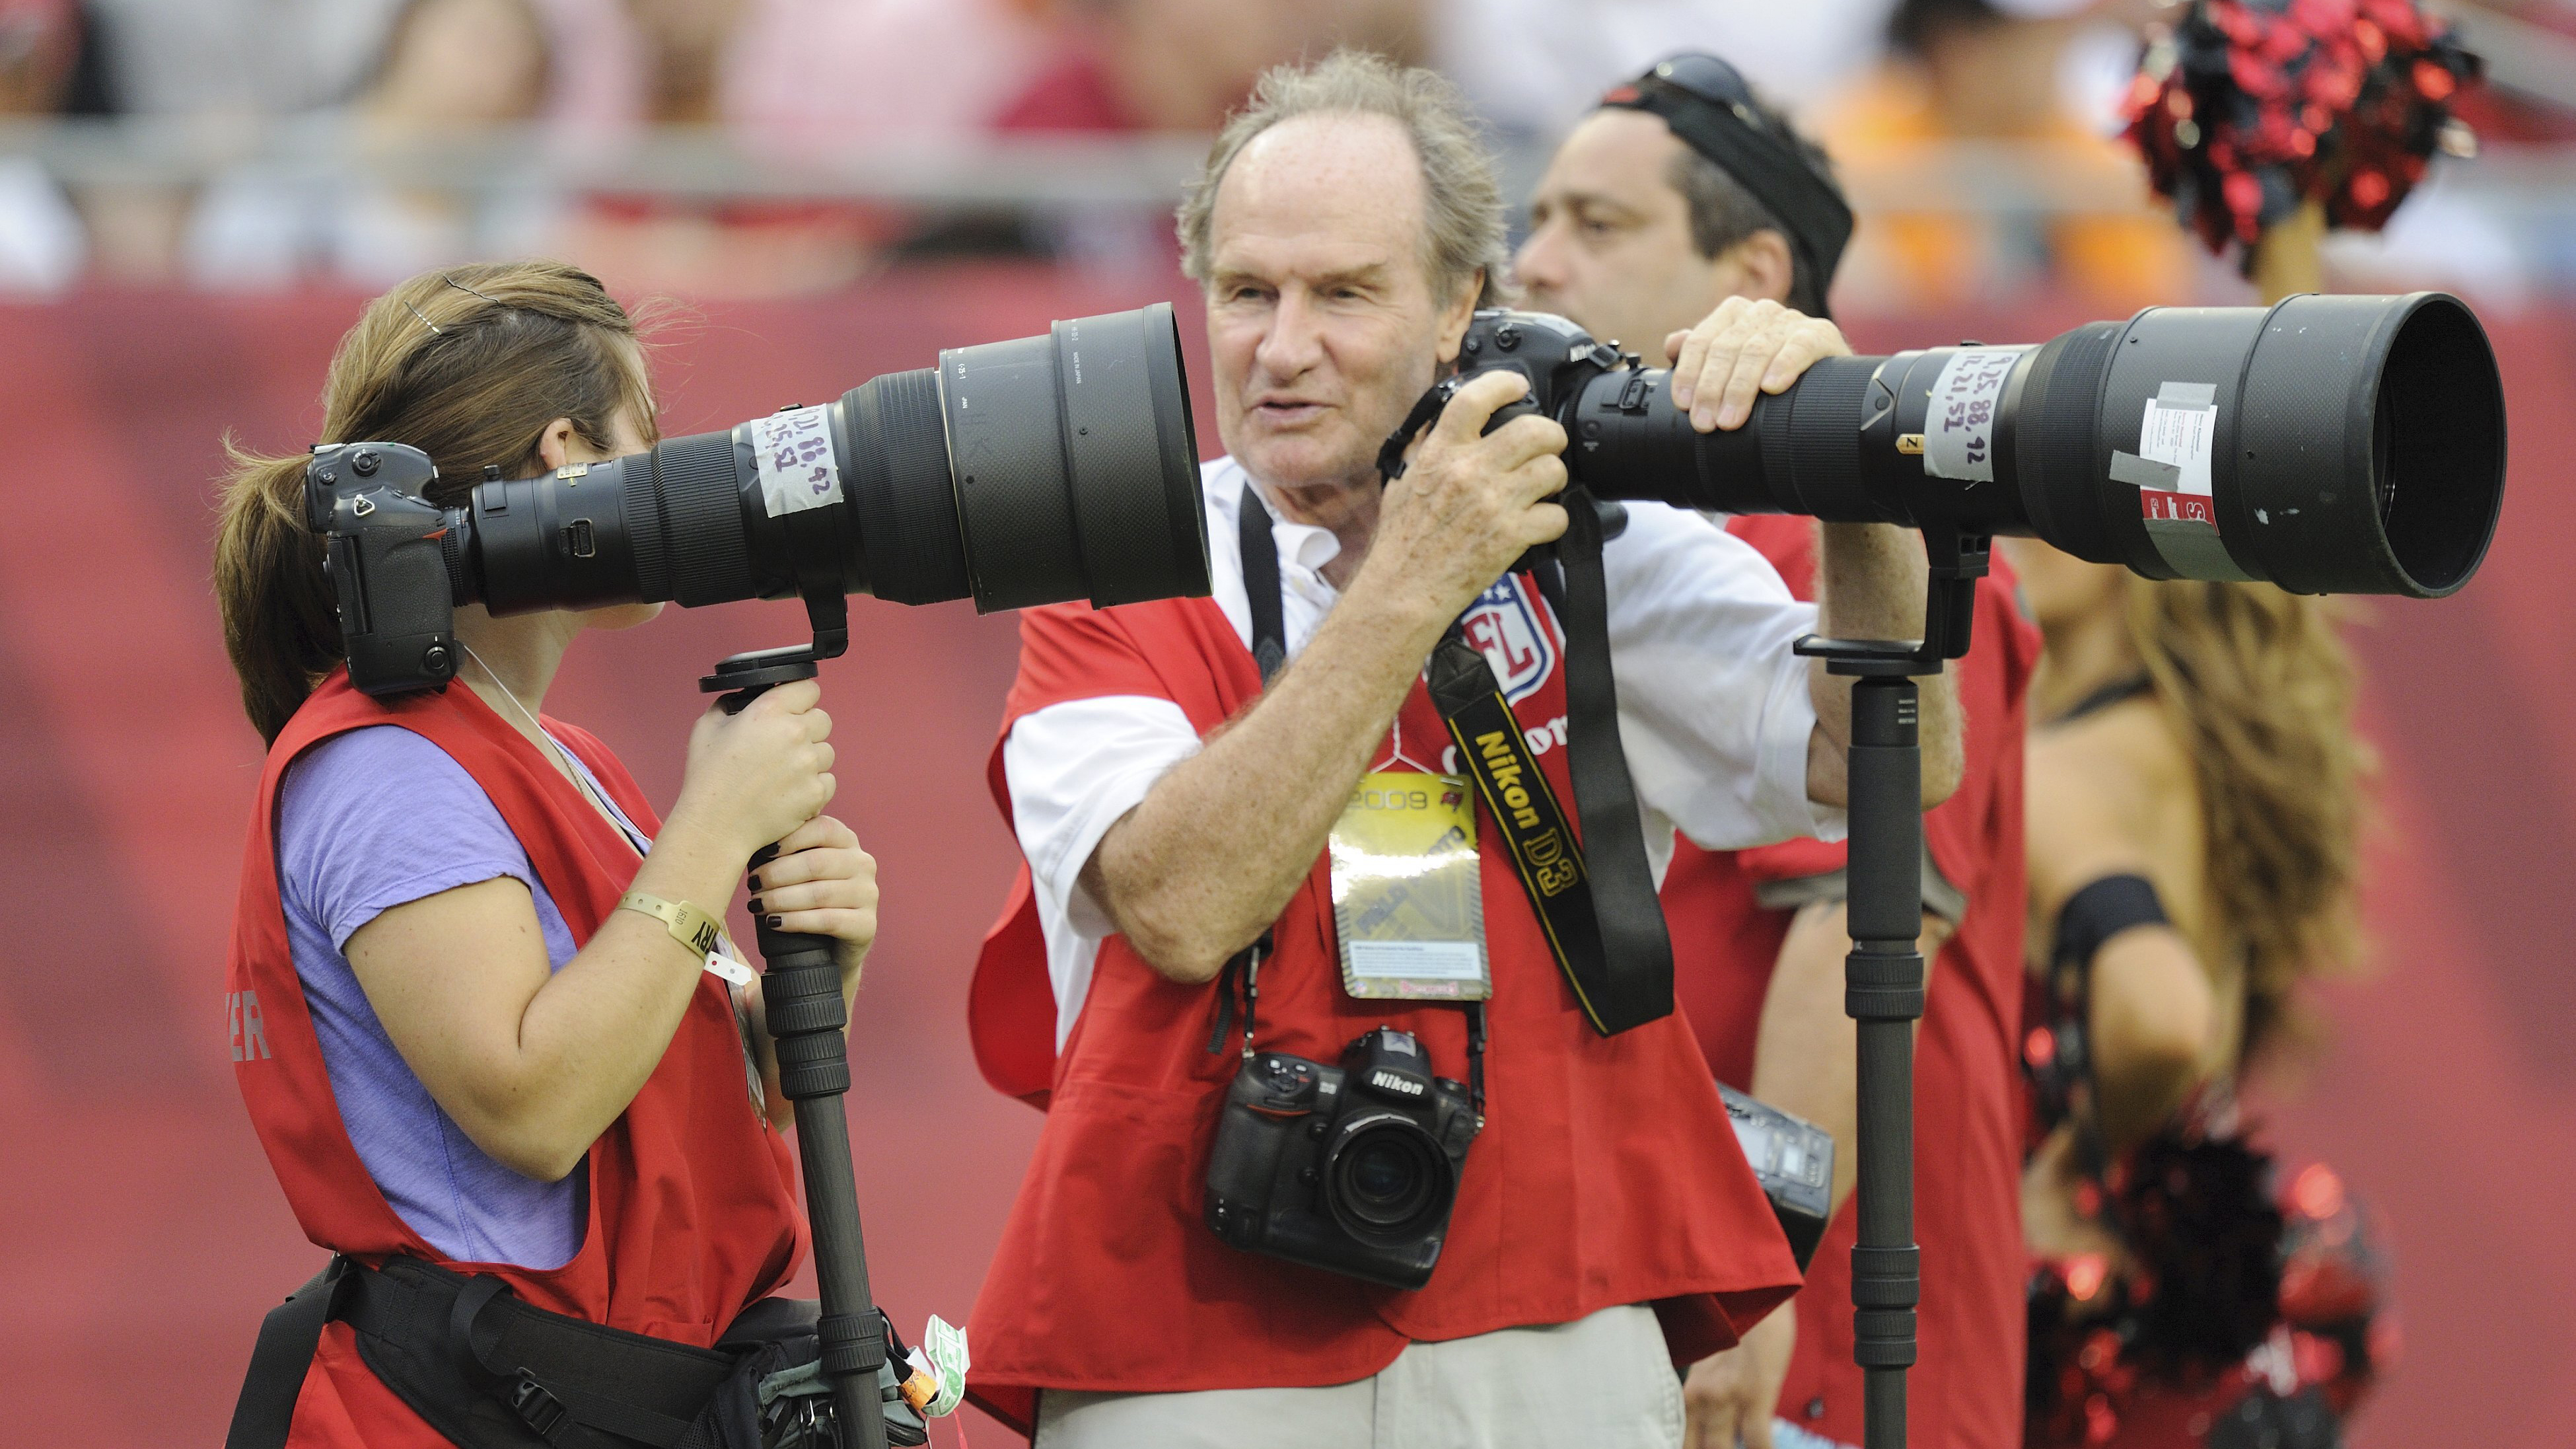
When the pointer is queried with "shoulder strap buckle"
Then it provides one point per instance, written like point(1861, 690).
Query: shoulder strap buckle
point(537, 1407)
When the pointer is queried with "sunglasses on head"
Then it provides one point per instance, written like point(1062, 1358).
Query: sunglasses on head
point(1710, 80)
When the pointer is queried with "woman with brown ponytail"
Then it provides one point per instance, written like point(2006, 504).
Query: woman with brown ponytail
point(494, 1073)
point(2194, 807)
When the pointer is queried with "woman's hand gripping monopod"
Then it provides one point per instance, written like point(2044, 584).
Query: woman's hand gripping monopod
point(806, 1017)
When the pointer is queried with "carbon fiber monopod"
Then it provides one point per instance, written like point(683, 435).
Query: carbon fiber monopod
point(1883, 976)
point(802, 996)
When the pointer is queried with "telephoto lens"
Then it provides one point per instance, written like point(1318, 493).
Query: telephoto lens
point(1015, 473)
point(2326, 444)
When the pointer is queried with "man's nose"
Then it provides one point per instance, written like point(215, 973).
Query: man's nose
point(1294, 342)
point(1541, 263)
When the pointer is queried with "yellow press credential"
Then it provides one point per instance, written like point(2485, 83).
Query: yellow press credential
point(1408, 903)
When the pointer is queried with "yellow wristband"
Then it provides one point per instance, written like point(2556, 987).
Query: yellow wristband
point(688, 925)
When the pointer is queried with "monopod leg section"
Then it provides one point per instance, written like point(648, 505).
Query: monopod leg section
point(1883, 993)
point(802, 993)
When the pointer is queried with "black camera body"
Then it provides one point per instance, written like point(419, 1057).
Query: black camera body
point(1558, 358)
point(390, 553)
point(1793, 1159)
point(1352, 1169)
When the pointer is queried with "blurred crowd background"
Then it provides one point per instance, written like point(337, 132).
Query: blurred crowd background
point(765, 148)
point(195, 196)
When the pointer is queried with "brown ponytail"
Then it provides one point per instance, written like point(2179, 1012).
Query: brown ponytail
point(468, 365)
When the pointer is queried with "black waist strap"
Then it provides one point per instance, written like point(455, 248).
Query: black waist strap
point(484, 1368)
point(428, 1333)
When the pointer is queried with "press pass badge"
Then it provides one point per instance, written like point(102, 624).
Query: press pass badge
point(797, 468)
point(1408, 900)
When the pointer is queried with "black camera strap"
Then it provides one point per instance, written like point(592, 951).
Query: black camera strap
point(1604, 925)
point(1242, 972)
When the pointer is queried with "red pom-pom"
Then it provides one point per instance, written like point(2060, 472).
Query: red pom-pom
point(2247, 109)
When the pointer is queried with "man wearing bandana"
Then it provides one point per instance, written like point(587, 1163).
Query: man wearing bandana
point(1682, 191)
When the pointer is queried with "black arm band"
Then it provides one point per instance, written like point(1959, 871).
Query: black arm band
point(2101, 910)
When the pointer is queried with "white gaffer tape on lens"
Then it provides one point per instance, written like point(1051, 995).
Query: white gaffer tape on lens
point(797, 467)
point(2181, 427)
point(1959, 421)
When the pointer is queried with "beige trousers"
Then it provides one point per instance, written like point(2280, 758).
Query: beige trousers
point(1602, 1382)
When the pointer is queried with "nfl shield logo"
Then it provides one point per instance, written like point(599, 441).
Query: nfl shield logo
point(1504, 625)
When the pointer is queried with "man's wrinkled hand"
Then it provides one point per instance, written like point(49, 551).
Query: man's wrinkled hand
point(1743, 348)
point(1729, 1397)
point(1469, 502)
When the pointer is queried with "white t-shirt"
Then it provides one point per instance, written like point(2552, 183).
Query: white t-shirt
point(1713, 710)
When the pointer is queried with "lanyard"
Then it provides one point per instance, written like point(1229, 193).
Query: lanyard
point(590, 788)
point(1600, 916)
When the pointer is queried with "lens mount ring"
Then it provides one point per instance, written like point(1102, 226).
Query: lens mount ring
point(1385, 1179)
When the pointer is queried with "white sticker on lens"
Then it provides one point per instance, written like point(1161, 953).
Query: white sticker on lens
point(797, 469)
point(2181, 428)
point(1959, 422)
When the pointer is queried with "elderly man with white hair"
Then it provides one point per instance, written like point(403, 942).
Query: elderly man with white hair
point(1205, 792)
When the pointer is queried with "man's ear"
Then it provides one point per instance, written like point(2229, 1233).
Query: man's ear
point(1454, 317)
point(1763, 266)
point(554, 445)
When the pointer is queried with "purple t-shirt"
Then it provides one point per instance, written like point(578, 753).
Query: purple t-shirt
point(368, 820)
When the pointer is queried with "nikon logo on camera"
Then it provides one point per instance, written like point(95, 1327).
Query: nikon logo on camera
point(1386, 1081)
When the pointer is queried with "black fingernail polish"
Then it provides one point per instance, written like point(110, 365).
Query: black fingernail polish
point(753, 881)
point(777, 922)
point(755, 905)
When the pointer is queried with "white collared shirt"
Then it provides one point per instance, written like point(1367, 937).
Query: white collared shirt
point(1714, 713)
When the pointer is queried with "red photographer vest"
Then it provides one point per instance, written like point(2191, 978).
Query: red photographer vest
point(692, 1205)
point(1606, 1174)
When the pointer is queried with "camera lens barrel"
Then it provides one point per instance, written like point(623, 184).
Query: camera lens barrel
point(1059, 443)
point(2327, 444)
point(1004, 408)
point(2372, 452)
point(902, 500)
point(1024, 472)
point(558, 540)
point(1127, 425)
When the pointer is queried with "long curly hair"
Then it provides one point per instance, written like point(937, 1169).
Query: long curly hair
point(2260, 688)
